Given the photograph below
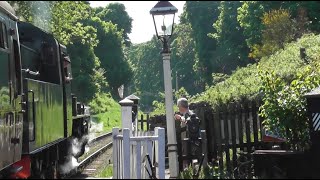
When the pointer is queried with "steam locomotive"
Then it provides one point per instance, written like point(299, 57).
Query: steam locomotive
point(39, 115)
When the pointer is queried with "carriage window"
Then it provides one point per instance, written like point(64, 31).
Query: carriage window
point(3, 36)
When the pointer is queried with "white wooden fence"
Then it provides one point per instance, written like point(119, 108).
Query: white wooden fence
point(130, 150)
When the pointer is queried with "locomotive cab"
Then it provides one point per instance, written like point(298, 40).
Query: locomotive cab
point(11, 121)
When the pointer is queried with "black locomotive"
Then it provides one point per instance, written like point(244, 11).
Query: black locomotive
point(39, 115)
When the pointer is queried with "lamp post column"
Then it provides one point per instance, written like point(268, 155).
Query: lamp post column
point(171, 129)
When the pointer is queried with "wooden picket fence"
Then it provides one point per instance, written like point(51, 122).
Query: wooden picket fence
point(231, 129)
point(130, 150)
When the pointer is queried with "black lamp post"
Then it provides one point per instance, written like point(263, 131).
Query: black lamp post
point(163, 14)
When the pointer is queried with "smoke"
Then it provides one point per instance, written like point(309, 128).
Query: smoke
point(41, 13)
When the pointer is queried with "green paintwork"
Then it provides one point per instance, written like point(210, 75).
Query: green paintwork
point(69, 109)
point(49, 112)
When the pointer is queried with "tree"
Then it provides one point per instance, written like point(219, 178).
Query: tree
point(117, 14)
point(110, 52)
point(251, 12)
point(31, 11)
point(231, 50)
point(279, 29)
point(183, 59)
point(61, 18)
point(67, 22)
point(201, 16)
point(147, 66)
point(86, 71)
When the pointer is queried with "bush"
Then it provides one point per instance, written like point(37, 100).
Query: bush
point(101, 103)
point(208, 172)
point(284, 107)
point(245, 83)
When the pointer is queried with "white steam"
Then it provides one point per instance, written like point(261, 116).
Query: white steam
point(96, 127)
point(72, 163)
point(41, 12)
point(76, 145)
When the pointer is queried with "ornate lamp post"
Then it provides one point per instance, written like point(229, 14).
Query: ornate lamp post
point(163, 14)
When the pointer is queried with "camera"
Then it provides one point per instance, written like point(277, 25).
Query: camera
point(178, 113)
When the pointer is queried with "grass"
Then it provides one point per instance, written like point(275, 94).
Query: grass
point(109, 119)
point(105, 110)
point(106, 172)
point(112, 118)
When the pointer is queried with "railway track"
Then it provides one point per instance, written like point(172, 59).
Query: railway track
point(98, 156)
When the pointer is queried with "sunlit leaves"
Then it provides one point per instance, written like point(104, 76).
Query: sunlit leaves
point(279, 29)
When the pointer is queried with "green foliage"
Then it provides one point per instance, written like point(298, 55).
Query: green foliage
point(208, 172)
point(242, 84)
point(147, 65)
point(278, 30)
point(249, 15)
point(251, 12)
point(67, 22)
point(31, 11)
point(110, 52)
point(106, 172)
point(86, 73)
point(219, 77)
point(101, 102)
point(106, 110)
point(201, 15)
point(231, 50)
point(245, 83)
point(284, 107)
point(183, 59)
point(117, 14)
point(159, 108)
point(181, 93)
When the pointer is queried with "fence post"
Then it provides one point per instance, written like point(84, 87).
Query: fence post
point(254, 121)
point(226, 117)
point(138, 160)
point(126, 153)
point(126, 113)
point(218, 134)
point(135, 108)
point(141, 121)
point(233, 137)
point(204, 147)
point(115, 132)
point(148, 122)
point(160, 151)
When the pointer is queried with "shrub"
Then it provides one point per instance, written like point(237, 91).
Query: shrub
point(284, 107)
point(101, 103)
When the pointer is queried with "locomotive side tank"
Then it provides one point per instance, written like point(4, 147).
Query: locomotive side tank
point(39, 115)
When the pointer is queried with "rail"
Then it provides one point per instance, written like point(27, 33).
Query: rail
point(89, 159)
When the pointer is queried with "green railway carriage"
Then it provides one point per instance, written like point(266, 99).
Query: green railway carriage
point(39, 115)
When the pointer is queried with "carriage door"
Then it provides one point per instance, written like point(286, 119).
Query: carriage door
point(6, 109)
